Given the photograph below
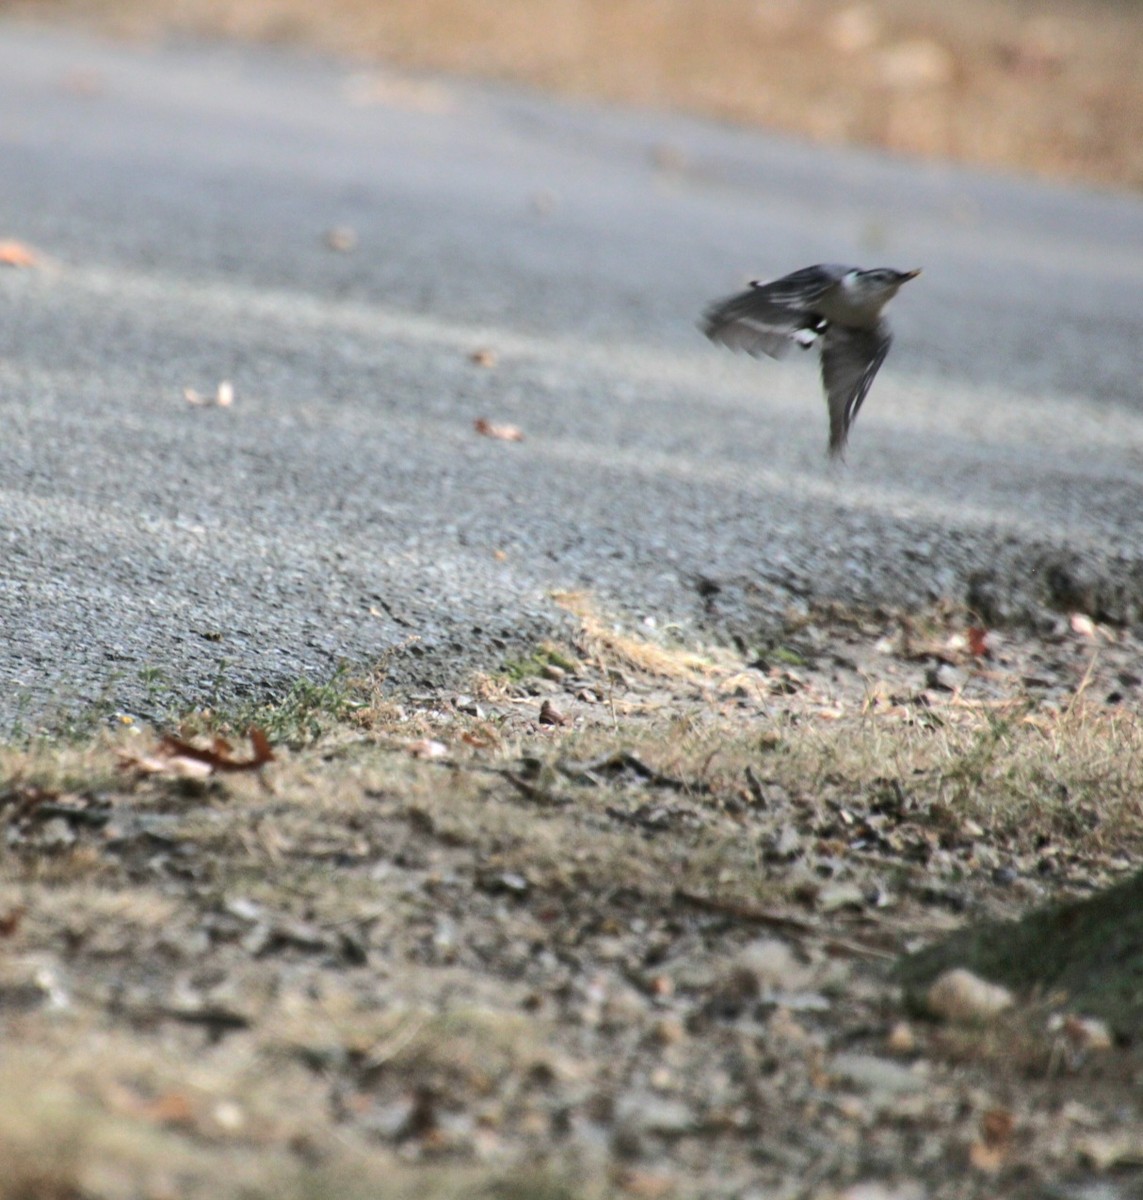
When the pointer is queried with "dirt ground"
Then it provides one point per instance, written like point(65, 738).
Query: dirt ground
point(1052, 88)
point(621, 920)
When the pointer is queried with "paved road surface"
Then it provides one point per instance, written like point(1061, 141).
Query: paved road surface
point(157, 555)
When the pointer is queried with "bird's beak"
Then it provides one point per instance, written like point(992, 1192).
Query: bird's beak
point(907, 275)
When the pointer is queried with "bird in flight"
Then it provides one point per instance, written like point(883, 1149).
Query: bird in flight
point(840, 305)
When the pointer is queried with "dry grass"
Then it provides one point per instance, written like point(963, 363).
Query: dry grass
point(1055, 89)
point(370, 969)
point(610, 646)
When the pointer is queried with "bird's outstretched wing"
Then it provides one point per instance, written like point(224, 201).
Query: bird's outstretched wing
point(800, 289)
point(850, 360)
point(766, 318)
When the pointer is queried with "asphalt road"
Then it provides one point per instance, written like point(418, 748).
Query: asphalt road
point(155, 554)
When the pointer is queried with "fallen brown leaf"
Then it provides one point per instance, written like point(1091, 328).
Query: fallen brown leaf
point(484, 738)
point(977, 641)
point(10, 921)
point(170, 1108)
point(16, 254)
point(219, 756)
point(159, 764)
point(550, 715)
point(504, 433)
point(996, 1126)
point(181, 759)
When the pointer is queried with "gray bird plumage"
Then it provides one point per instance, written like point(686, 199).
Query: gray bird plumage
point(840, 305)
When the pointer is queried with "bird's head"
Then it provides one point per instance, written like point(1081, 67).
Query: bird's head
point(879, 284)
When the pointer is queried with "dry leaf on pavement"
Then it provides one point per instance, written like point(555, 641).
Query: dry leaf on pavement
point(16, 254)
point(504, 433)
point(222, 398)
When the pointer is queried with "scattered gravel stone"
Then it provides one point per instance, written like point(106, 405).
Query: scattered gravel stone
point(962, 997)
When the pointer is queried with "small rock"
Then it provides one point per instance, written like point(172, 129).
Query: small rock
point(964, 998)
point(1080, 1114)
point(392, 1120)
point(783, 1027)
point(243, 908)
point(669, 1031)
point(623, 1008)
point(733, 993)
point(504, 883)
point(1083, 625)
point(645, 1113)
point(800, 1001)
point(835, 896)
point(661, 987)
point(786, 844)
point(945, 678)
point(229, 1116)
point(901, 1039)
point(772, 965)
point(57, 834)
point(1085, 1033)
point(880, 1076)
point(1104, 1151)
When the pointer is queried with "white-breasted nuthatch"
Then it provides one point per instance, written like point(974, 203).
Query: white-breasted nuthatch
point(840, 305)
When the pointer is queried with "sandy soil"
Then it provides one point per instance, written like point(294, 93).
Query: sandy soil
point(1051, 88)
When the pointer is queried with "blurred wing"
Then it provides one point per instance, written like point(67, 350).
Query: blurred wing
point(850, 360)
point(740, 323)
point(766, 318)
point(801, 290)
